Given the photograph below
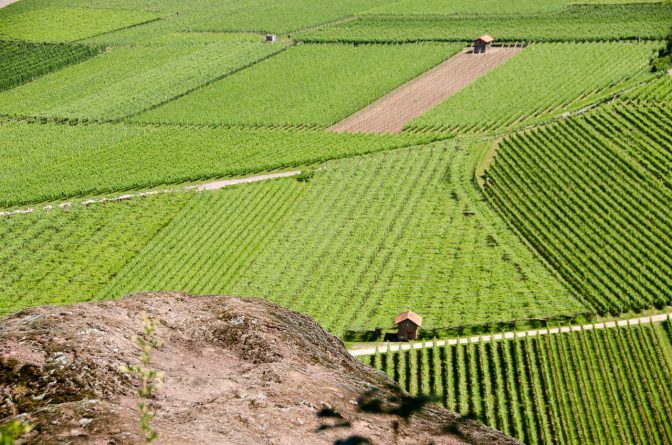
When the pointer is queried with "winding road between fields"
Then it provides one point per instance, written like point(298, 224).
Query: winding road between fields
point(392, 347)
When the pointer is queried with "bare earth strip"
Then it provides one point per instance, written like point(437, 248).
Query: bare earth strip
point(390, 113)
point(4, 3)
point(385, 347)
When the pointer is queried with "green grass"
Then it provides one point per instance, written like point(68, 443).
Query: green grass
point(61, 257)
point(21, 62)
point(543, 81)
point(363, 240)
point(315, 85)
point(577, 23)
point(68, 24)
point(47, 162)
point(593, 386)
point(135, 79)
point(592, 195)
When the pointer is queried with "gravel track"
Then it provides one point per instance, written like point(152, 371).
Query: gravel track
point(385, 347)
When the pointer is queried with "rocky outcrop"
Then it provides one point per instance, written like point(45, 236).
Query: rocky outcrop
point(237, 371)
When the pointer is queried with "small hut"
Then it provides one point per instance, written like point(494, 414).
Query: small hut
point(482, 43)
point(408, 324)
point(270, 38)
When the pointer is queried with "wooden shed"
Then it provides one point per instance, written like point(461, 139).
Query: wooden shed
point(408, 324)
point(482, 43)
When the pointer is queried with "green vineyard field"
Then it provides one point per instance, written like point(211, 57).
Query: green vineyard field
point(68, 24)
point(48, 161)
point(543, 81)
point(577, 23)
point(591, 195)
point(396, 230)
point(21, 62)
point(136, 79)
point(315, 85)
point(66, 256)
point(602, 386)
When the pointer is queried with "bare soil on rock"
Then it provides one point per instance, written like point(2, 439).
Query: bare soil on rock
point(237, 371)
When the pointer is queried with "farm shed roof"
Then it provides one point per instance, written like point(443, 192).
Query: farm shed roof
point(486, 38)
point(415, 318)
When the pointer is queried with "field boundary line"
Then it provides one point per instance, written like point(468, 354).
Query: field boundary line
point(207, 186)
point(390, 347)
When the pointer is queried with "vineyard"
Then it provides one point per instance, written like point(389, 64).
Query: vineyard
point(21, 62)
point(374, 162)
point(602, 386)
point(578, 24)
point(399, 225)
point(68, 24)
point(136, 78)
point(336, 81)
point(537, 84)
point(44, 162)
point(65, 256)
point(586, 194)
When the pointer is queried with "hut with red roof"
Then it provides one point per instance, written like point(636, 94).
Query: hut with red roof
point(408, 324)
point(482, 43)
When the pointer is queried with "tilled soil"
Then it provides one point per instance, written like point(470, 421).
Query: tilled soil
point(237, 371)
point(390, 113)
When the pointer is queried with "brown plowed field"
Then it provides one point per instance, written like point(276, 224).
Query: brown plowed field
point(390, 113)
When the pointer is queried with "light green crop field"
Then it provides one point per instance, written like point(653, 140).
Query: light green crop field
point(65, 256)
point(314, 85)
point(397, 229)
point(594, 386)
point(576, 23)
point(22, 62)
point(48, 162)
point(68, 24)
point(135, 79)
point(544, 81)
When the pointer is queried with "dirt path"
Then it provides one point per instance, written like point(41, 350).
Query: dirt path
point(4, 3)
point(384, 347)
point(390, 113)
point(208, 186)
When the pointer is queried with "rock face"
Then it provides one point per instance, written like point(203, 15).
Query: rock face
point(236, 372)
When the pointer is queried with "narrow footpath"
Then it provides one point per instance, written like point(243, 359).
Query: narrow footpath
point(392, 347)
